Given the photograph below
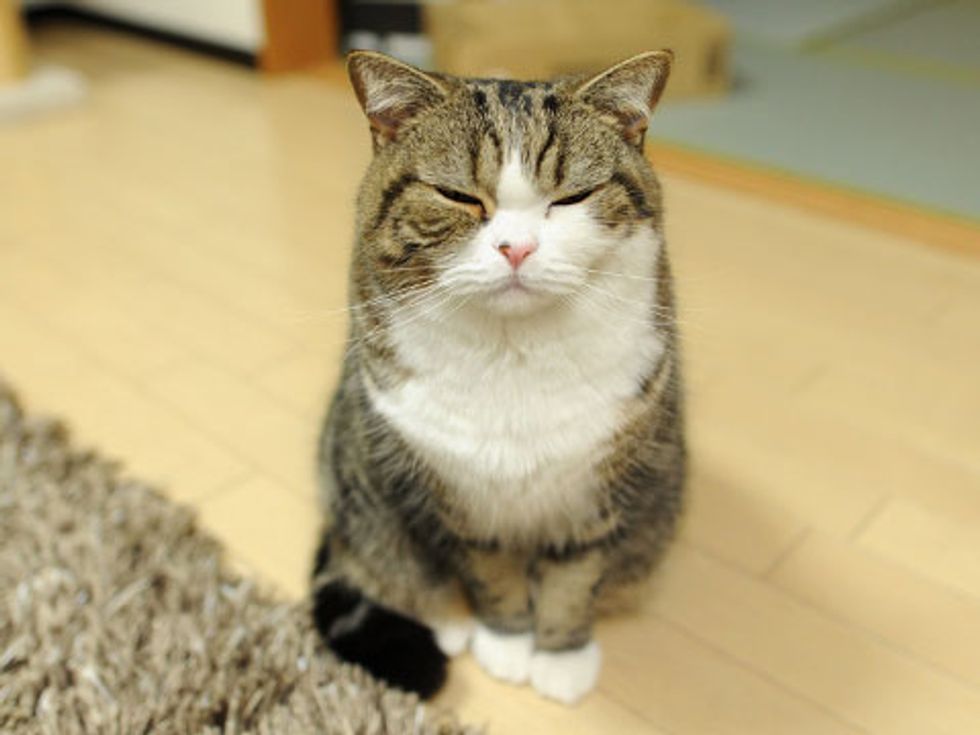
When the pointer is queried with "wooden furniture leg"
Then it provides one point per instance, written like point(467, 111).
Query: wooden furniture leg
point(13, 44)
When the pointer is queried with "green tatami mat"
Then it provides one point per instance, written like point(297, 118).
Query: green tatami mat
point(891, 131)
point(797, 23)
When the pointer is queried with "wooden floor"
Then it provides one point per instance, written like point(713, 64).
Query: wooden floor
point(172, 269)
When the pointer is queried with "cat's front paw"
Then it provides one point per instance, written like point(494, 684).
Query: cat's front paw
point(453, 635)
point(566, 675)
point(505, 656)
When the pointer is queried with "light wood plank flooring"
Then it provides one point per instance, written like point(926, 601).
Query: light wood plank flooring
point(172, 277)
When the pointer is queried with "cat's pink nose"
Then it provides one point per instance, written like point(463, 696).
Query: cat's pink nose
point(517, 254)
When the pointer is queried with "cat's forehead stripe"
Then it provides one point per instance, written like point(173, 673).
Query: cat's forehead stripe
point(548, 143)
point(514, 189)
point(509, 93)
point(511, 96)
point(523, 115)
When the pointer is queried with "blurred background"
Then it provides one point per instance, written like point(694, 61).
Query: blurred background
point(177, 185)
point(874, 95)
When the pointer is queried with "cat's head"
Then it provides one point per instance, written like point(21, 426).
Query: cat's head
point(511, 195)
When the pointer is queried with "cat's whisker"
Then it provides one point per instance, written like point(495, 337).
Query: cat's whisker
point(310, 316)
point(669, 310)
point(436, 297)
point(593, 300)
point(678, 317)
point(461, 302)
point(429, 308)
point(427, 299)
point(605, 293)
point(628, 276)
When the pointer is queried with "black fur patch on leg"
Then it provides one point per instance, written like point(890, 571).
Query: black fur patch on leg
point(392, 647)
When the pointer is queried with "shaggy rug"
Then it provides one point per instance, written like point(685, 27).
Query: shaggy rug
point(118, 616)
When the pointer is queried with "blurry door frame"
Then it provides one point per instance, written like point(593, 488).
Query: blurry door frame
point(13, 43)
point(299, 34)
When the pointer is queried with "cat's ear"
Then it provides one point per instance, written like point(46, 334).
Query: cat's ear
point(390, 92)
point(627, 93)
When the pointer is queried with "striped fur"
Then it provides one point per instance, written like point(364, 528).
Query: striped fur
point(505, 441)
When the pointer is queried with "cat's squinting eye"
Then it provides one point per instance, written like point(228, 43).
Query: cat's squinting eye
point(461, 198)
point(576, 198)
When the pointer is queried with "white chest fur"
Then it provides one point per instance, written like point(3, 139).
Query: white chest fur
point(514, 417)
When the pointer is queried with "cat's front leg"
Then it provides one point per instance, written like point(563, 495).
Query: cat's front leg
point(566, 660)
point(497, 585)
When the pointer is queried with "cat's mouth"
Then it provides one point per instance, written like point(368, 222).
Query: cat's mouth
point(527, 289)
point(515, 294)
point(515, 284)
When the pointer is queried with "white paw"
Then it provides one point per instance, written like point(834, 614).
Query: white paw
point(505, 656)
point(453, 636)
point(566, 675)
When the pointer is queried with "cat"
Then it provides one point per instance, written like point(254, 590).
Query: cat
point(505, 449)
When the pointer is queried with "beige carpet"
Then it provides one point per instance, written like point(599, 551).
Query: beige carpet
point(117, 615)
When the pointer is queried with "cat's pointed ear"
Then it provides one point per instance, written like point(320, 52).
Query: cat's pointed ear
point(628, 92)
point(391, 93)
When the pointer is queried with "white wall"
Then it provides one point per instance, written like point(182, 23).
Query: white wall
point(234, 23)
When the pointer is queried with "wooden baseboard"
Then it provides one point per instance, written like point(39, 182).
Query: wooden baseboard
point(56, 13)
point(933, 228)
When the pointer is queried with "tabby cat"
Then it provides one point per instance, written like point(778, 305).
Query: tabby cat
point(505, 448)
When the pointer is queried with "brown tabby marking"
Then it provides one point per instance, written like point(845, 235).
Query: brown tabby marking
point(397, 531)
